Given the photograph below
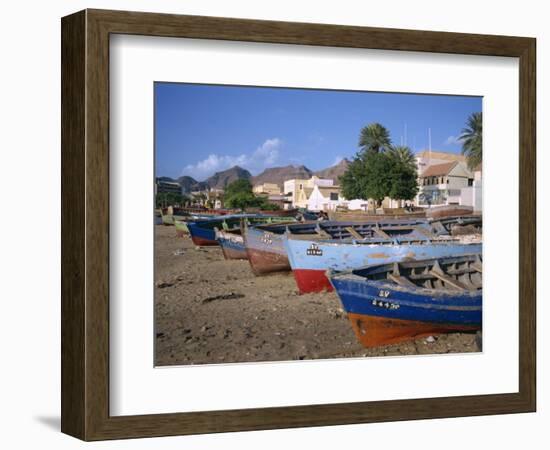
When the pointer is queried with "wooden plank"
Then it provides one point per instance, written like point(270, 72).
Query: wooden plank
point(527, 224)
point(448, 280)
point(353, 232)
point(439, 227)
point(476, 266)
point(381, 233)
point(202, 27)
point(402, 281)
point(322, 232)
point(461, 271)
point(73, 226)
point(423, 232)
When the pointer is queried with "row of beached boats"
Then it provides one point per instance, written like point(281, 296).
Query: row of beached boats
point(397, 278)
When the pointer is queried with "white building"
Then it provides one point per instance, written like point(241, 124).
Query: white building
point(358, 204)
point(325, 198)
point(298, 191)
point(473, 195)
point(441, 184)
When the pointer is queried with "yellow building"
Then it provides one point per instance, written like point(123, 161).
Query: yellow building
point(267, 188)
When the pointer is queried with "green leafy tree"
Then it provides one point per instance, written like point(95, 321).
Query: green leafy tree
point(238, 194)
point(270, 206)
point(241, 200)
point(404, 185)
point(368, 176)
point(377, 175)
point(403, 155)
point(238, 186)
point(404, 173)
point(472, 140)
point(374, 138)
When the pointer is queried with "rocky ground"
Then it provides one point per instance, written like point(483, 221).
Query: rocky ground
point(209, 310)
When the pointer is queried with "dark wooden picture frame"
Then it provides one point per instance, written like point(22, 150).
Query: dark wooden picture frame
point(85, 224)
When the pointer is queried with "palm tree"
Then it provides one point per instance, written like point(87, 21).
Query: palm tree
point(472, 137)
point(404, 155)
point(374, 138)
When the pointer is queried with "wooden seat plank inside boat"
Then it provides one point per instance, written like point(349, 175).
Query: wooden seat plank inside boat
point(448, 280)
point(322, 232)
point(402, 281)
point(381, 233)
point(353, 232)
point(464, 273)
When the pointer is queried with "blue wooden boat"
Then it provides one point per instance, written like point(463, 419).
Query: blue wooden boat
point(182, 228)
point(232, 241)
point(310, 259)
point(266, 249)
point(232, 244)
point(454, 224)
point(203, 232)
point(395, 302)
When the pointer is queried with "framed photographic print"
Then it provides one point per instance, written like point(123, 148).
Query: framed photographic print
point(270, 224)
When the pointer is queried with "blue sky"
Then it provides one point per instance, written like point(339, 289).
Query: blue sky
point(202, 129)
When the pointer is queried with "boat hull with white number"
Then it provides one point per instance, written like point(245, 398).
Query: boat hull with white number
point(391, 303)
point(266, 249)
point(310, 260)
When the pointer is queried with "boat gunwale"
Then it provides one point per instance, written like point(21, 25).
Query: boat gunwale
point(372, 241)
point(463, 296)
point(417, 290)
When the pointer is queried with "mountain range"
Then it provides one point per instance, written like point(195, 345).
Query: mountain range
point(276, 175)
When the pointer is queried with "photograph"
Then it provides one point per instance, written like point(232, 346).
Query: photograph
point(299, 224)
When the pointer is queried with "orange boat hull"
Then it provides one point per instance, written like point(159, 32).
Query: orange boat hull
point(374, 331)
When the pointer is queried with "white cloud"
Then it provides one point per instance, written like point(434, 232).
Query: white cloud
point(453, 140)
point(266, 155)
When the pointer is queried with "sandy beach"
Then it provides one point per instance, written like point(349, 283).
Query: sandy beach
point(209, 310)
